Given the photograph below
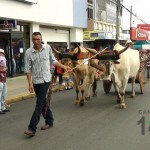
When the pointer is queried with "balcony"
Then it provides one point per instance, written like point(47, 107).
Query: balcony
point(101, 26)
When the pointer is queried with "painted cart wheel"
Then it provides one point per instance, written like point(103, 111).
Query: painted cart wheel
point(107, 86)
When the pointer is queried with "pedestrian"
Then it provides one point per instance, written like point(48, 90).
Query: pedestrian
point(60, 74)
point(129, 43)
point(37, 68)
point(148, 70)
point(3, 85)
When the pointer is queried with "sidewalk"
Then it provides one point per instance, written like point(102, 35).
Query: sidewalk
point(17, 89)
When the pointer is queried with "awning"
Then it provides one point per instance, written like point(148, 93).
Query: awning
point(146, 47)
point(141, 45)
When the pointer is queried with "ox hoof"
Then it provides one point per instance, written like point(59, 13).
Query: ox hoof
point(132, 96)
point(118, 101)
point(123, 106)
point(76, 102)
point(87, 98)
point(95, 94)
point(81, 103)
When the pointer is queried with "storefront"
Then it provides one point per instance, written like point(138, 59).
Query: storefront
point(102, 39)
point(14, 40)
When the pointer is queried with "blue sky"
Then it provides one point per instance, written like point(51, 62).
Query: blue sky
point(139, 7)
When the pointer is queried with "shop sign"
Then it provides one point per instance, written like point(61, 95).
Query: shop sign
point(124, 36)
point(8, 24)
point(144, 26)
point(138, 34)
point(88, 35)
point(105, 35)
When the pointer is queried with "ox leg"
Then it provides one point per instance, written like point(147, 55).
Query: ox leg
point(122, 92)
point(117, 92)
point(133, 87)
point(82, 100)
point(87, 97)
point(77, 90)
point(118, 98)
point(113, 81)
point(94, 87)
point(77, 96)
point(90, 85)
point(122, 105)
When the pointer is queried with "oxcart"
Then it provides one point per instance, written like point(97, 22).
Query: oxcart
point(140, 77)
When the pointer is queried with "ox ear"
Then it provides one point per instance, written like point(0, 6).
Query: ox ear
point(75, 55)
point(121, 51)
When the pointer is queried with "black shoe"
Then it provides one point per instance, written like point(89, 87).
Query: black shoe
point(6, 110)
point(1, 112)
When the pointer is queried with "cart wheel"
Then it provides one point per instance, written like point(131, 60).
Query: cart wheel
point(142, 82)
point(107, 86)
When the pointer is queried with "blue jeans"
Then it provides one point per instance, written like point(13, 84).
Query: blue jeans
point(40, 91)
point(3, 92)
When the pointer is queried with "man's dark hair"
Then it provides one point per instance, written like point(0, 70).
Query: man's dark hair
point(36, 33)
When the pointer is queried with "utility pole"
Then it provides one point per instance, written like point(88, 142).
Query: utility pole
point(130, 16)
point(130, 19)
point(117, 21)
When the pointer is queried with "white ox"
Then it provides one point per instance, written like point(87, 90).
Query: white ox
point(128, 67)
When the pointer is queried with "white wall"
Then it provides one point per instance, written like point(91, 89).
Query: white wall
point(76, 35)
point(50, 12)
point(51, 35)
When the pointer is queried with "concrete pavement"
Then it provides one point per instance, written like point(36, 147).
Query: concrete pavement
point(17, 89)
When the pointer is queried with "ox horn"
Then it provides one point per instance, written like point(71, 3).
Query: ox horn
point(55, 50)
point(121, 51)
point(93, 51)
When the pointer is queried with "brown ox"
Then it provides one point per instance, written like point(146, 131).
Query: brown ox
point(83, 75)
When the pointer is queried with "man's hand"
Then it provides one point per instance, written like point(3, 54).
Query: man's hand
point(67, 69)
point(31, 89)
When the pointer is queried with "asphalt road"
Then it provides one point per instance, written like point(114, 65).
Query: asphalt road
point(99, 125)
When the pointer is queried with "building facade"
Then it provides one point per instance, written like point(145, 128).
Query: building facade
point(101, 31)
point(61, 22)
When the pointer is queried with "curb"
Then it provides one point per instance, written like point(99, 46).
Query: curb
point(25, 96)
point(19, 98)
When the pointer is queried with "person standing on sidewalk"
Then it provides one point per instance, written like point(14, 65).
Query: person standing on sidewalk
point(3, 85)
point(37, 68)
point(148, 70)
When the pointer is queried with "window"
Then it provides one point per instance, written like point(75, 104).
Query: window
point(90, 13)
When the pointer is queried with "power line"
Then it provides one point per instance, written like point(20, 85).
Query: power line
point(129, 11)
point(133, 14)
